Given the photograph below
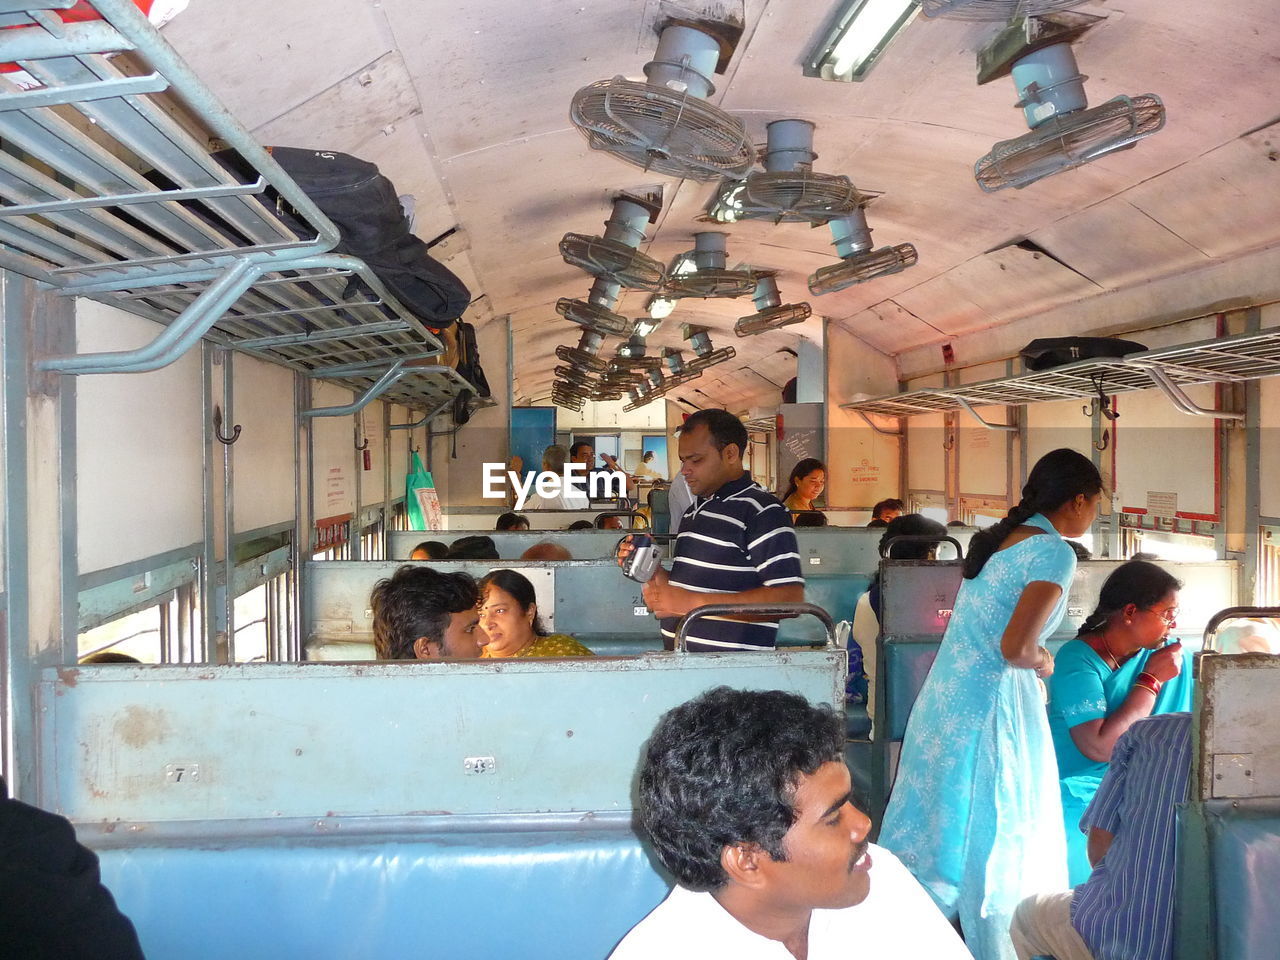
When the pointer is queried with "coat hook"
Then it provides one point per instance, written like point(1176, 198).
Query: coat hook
point(1106, 441)
point(949, 442)
point(363, 446)
point(217, 428)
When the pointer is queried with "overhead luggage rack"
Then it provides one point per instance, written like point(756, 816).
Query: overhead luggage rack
point(1243, 357)
point(105, 195)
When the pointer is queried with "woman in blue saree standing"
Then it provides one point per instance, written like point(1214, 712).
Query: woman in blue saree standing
point(1115, 672)
point(975, 812)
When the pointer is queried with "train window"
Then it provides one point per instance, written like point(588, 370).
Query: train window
point(332, 539)
point(1268, 583)
point(141, 634)
point(252, 615)
point(1182, 547)
point(372, 542)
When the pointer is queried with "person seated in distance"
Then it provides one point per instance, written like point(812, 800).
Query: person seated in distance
point(511, 521)
point(546, 551)
point(746, 798)
point(884, 512)
point(430, 550)
point(423, 614)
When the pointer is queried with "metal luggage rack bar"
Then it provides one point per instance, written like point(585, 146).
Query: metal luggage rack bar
point(105, 195)
point(1243, 357)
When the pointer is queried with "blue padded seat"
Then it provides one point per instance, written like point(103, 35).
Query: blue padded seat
point(534, 894)
point(1246, 858)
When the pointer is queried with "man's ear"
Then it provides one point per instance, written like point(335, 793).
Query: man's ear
point(427, 649)
point(742, 862)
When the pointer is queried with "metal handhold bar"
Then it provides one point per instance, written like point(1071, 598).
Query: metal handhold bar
point(1006, 427)
point(1233, 613)
point(377, 389)
point(887, 546)
point(755, 609)
point(217, 428)
point(178, 337)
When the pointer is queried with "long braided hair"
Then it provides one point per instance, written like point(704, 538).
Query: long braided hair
point(1138, 582)
point(1059, 476)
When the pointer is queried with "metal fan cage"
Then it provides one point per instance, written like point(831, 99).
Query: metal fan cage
point(580, 358)
point(993, 11)
point(594, 317)
point(772, 318)
point(613, 261)
point(1070, 140)
point(712, 283)
point(863, 267)
point(800, 196)
point(667, 131)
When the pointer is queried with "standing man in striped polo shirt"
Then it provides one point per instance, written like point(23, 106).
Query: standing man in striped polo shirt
point(736, 543)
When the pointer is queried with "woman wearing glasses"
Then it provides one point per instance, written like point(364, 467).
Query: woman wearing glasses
point(1116, 671)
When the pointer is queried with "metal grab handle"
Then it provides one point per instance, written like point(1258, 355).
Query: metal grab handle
point(755, 609)
point(1233, 613)
point(632, 515)
point(887, 545)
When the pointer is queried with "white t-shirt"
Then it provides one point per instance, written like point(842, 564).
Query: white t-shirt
point(561, 501)
point(897, 921)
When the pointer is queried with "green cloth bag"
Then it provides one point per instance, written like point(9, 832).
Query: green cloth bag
point(421, 503)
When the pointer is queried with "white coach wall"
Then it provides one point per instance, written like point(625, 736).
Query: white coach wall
point(138, 447)
point(263, 456)
point(333, 454)
point(862, 465)
point(369, 422)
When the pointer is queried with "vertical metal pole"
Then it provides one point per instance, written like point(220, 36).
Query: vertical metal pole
point(67, 508)
point(228, 507)
point(301, 546)
point(206, 648)
point(1249, 587)
point(16, 712)
point(40, 575)
point(356, 543)
point(386, 476)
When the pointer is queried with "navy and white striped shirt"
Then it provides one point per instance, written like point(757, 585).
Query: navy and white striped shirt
point(1124, 911)
point(737, 539)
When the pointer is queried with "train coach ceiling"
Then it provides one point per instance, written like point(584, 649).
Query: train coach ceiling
point(467, 106)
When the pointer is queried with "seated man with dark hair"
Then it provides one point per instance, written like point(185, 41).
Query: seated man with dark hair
point(476, 547)
point(511, 521)
point(885, 512)
point(746, 798)
point(53, 905)
point(582, 525)
point(423, 614)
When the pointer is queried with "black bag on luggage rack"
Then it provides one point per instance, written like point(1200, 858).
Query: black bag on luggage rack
point(1055, 351)
point(363, 205)
point(469, 359)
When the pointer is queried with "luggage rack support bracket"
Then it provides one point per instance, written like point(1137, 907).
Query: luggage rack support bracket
point(1003, 427)
point(414, 425)
point(375, 390)
point(1180, 399)
point(872, 424)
